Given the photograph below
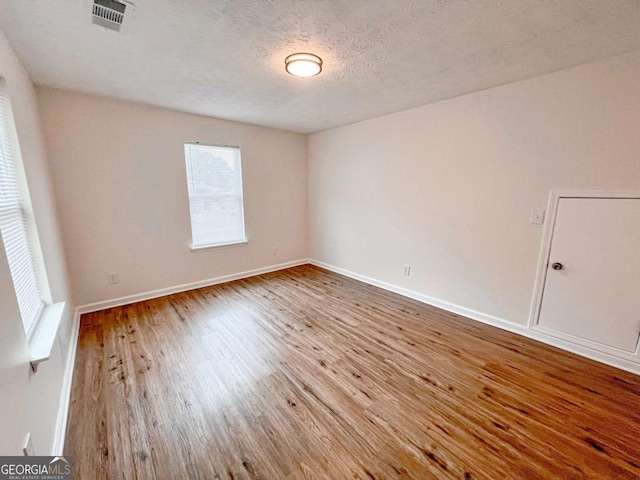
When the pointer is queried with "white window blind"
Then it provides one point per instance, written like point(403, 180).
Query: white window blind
point(13, 223)
point(214, 177)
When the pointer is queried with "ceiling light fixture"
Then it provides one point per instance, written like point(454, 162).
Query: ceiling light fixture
point(303, 64)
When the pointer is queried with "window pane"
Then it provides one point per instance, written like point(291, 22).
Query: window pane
point(214, 178)
point(13, 225)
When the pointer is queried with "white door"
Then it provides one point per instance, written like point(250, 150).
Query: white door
point(592, 286)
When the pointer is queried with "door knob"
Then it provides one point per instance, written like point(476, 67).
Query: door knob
point(557, 266)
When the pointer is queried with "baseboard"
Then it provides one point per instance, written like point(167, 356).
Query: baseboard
point(622, 363)
point(65, 394)
point(140, 297)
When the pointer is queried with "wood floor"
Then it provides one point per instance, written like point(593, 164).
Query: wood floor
point(305, 374)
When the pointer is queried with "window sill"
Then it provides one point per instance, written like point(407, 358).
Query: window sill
point(219, 245)
point(41, 342)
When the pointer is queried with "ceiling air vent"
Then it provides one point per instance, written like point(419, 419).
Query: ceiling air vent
point(108, 14)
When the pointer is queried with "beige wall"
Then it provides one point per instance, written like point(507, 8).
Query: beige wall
point(448, 188)
point(120, 174)
point(30, 402)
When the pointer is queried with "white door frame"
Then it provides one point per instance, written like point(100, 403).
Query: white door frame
point(545, 252)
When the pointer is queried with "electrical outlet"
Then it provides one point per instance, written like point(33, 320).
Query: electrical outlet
point(406, 270)
point(28, 449)
point(113, 278)
point(275, 250)
point(331, 248)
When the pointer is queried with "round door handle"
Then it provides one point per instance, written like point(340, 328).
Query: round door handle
point(557, 266)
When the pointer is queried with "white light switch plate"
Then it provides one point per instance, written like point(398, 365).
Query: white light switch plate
point(537, 216)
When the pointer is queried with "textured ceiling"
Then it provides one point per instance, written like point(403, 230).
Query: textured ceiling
point(225, 58)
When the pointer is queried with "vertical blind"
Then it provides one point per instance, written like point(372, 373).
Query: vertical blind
point(13, 224)
point(214, 177)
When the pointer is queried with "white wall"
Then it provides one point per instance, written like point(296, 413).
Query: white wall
point(119, 169)
point(448, 188)
point(30, 402)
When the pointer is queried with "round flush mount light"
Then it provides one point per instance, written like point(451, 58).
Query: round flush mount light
point(303, 64)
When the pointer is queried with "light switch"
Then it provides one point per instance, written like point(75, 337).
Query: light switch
point(537, 216)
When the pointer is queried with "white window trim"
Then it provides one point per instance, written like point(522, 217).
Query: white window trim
point(239, 243)
point(44, 333)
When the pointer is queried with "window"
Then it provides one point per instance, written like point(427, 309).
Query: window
point(14, 221)
point(214, 178)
